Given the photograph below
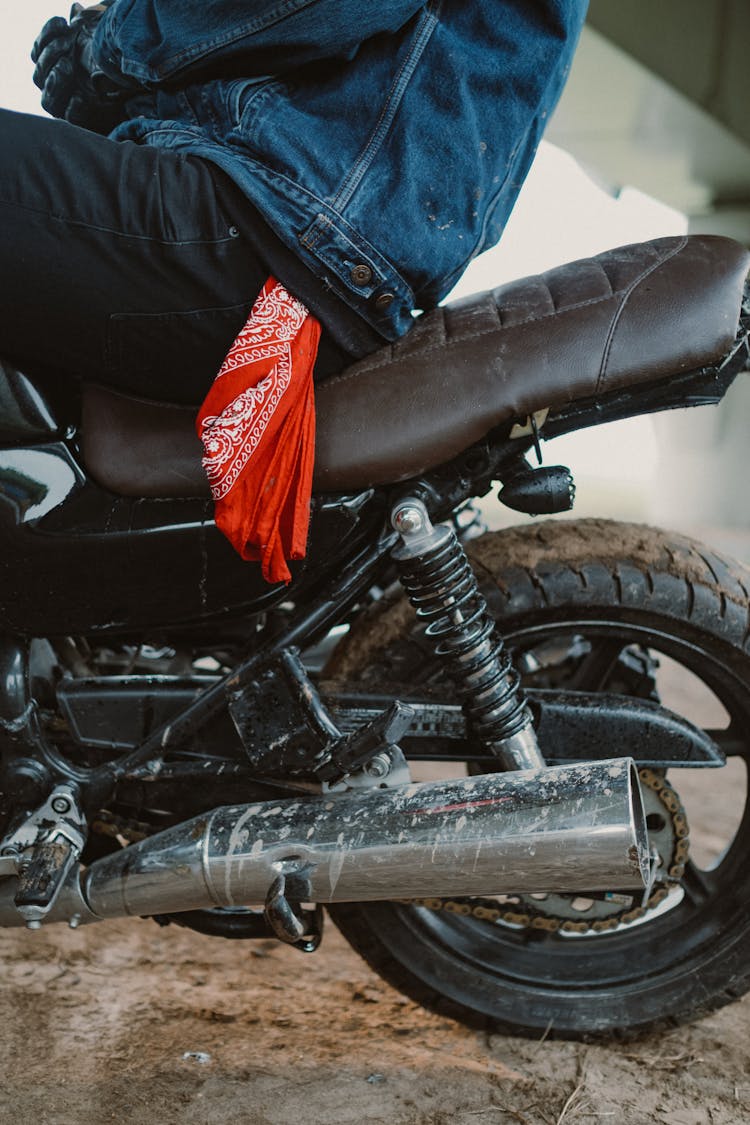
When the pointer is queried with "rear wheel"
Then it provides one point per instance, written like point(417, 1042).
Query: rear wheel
point(596, 606)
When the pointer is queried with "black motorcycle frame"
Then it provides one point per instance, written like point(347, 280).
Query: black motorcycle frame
point(78, 561)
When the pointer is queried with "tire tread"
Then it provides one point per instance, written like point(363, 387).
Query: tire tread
point(549, 569)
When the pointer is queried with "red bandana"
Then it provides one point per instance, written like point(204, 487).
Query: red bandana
point(257, 425)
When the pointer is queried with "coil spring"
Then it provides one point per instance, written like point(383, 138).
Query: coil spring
point(442, 588)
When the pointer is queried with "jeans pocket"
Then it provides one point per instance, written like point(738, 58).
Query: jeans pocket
point(170, 356)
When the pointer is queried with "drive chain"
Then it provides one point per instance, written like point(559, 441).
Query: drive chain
point(531, 917)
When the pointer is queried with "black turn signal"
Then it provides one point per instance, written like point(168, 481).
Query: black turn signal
point(540, 492)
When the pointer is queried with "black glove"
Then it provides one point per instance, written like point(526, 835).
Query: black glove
point(72, 85)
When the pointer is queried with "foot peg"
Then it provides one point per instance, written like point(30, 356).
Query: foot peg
point(367, 747)
point(41, 853)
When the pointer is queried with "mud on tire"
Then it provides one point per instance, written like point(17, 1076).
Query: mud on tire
point(600, 592)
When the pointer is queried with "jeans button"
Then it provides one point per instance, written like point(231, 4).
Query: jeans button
point(384, 301)
point(361, 274)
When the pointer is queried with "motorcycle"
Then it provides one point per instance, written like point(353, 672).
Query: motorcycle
point(454, 741)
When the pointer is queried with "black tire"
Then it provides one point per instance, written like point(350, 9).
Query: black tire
point(615, 584)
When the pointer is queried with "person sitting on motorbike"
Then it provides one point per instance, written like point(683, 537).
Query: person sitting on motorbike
point(361, 153)
point(355, 156)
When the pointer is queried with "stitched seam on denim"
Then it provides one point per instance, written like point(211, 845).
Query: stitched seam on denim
point(187, 108)
point(310, 241)
point(171, 65)
point(322, 205)
point(247, 121)
point(325, 204)
point(194, 132)
point(311, 238)
point(623, 302)
point(110, 230)
point(385, 270)
point(427, 25)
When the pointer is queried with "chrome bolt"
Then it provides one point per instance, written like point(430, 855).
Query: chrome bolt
point(379, 766)
point(75, 921)
point(33, 924)
point(61, 805)
point(408, 520)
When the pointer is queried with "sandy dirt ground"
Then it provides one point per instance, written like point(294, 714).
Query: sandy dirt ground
point(128, 1022)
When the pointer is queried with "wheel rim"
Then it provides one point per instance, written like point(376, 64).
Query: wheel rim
point(706, 916)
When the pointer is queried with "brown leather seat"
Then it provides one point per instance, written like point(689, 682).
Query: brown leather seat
point(632, 315)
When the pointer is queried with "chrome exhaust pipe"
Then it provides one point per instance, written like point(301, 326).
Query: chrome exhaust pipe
point(569, 828)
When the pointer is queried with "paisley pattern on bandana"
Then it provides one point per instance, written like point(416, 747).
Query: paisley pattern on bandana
point(257, 426)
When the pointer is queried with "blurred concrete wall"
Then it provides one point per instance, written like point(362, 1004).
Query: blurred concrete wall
point(658, 98)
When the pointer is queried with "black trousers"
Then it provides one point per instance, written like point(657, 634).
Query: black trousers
point(123, 264)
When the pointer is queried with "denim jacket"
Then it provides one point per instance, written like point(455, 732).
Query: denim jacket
point(383, 141)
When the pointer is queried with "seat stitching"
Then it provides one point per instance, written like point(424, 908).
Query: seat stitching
point(455, 340)
point(625, 298)
point(445, 333)
point(550, 294)
point(607, 278)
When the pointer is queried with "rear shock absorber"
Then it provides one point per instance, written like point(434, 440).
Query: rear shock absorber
point(441, 585)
